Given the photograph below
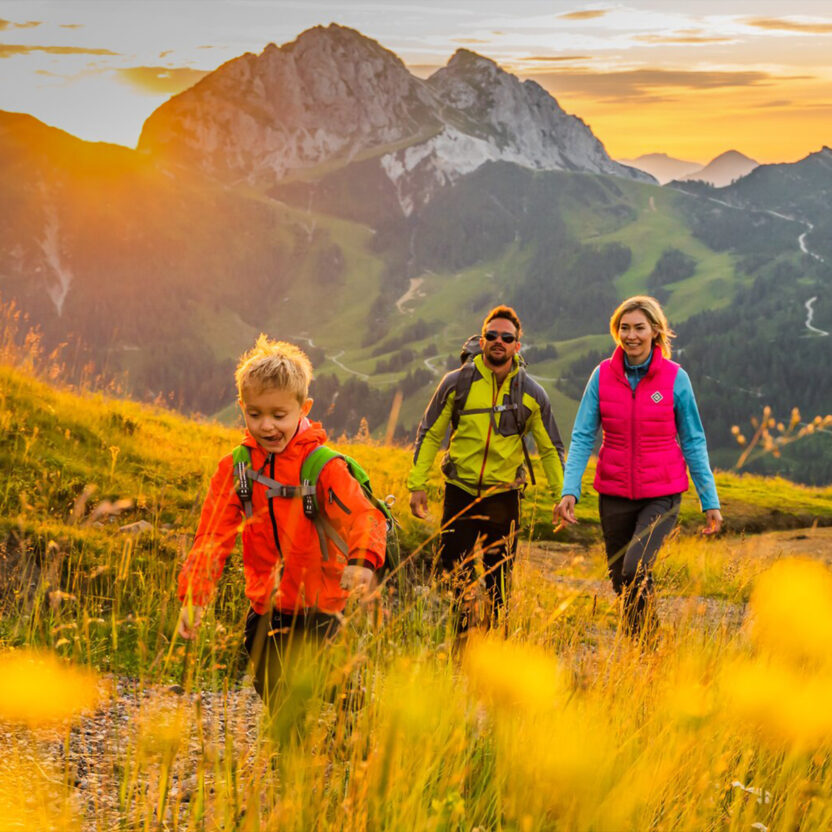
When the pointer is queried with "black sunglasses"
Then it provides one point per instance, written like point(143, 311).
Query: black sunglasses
point(505, 337)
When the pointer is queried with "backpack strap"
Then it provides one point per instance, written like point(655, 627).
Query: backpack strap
point(518, 386)
point(310, 471)
point(241, 465)
point(464, 380)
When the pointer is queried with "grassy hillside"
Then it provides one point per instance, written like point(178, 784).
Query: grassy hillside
point(81, 466)
point(414, 732)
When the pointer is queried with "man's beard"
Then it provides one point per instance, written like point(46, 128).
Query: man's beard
point(498, 360)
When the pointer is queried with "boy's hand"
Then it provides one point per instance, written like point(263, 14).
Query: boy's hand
point(419, 504)
point(358, 579)
point(190, 617)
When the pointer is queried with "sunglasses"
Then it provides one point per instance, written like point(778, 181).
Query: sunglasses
point(505, 337)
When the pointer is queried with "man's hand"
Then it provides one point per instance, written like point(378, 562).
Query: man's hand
point(419, 504)
point(359, 580)
point(190, 617)
point(713, 521)
point(565, 511)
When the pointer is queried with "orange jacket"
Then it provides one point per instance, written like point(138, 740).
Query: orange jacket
point(290, 574)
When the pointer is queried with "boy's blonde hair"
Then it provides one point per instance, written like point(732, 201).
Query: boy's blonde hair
point(654, 313)
point(275, 364)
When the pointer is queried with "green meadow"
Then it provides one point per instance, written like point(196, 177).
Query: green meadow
point(108, 721)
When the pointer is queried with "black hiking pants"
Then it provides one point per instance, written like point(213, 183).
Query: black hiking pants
point(274, 642)
point(634, 531)
point(472, 525)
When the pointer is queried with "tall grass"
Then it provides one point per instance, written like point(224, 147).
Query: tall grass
point(563, 724)
point(556, 721)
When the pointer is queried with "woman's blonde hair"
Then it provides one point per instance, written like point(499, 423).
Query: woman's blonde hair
point(274, 364)
point(662, 333)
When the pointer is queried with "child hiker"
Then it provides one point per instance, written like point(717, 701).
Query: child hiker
point(297, 579)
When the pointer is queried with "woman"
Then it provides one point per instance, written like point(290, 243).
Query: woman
point(652, 435)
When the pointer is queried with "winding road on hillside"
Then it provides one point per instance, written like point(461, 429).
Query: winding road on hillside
point(801, 241)
point(333, 358)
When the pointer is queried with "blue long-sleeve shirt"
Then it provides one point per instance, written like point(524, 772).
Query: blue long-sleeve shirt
point(688, 426)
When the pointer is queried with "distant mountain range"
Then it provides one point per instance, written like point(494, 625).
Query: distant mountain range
point(320, 192)
point(720, 171)
point(334, 97)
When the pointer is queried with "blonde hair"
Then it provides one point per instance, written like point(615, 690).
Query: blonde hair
point(274, 364)
point(655, 315)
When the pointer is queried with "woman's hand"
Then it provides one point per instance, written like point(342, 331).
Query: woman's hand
point(713, 521)
point(190, 617)
point(565, 510)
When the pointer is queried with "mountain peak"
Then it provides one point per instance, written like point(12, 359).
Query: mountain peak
point(465, 59)
point(732, 155)
point(663, 167)
point(724, 169)
point(333, 94)
point(329, 94)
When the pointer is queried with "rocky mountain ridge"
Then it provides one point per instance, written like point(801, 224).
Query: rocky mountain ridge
point(333, 96)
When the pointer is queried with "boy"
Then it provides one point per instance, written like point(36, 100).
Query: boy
point(294, 587)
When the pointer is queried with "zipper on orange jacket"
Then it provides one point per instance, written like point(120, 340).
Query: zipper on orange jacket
point(271, 507)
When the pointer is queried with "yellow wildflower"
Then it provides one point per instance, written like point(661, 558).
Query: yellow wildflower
point(788, 708)
point(38, 689)
point(513, 674)
point(791, 608)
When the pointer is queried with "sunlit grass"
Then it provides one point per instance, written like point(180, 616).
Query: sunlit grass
point(556, 721)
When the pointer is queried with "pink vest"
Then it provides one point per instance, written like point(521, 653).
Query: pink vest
point(640, 455)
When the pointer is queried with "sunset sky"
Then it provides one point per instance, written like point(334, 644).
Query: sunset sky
point(690, 78)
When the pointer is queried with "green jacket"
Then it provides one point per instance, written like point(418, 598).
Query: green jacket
point(485, 451)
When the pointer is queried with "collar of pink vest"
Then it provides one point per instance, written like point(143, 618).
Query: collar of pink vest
point(617, 363)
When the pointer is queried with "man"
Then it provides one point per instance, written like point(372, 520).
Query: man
point(485, 466)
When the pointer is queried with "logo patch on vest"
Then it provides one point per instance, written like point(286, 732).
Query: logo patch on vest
point(657, 397)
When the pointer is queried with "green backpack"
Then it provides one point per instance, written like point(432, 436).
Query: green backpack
point(307, 491)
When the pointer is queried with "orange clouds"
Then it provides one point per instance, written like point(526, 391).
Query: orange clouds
point(779, 24)
point(160, 79)
point(635, 84)
point(29, 24)
point(588, 14)
point(9, 49)
point(681, 38)
point(556, 58)
point(689, 114)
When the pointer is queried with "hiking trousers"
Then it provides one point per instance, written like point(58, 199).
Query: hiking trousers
point(634, 531)
point(273, 642)
point(471, 524)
